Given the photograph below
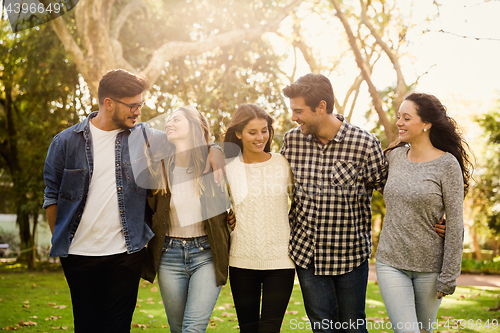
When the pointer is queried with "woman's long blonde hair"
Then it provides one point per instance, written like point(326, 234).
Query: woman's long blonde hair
point(199, 138)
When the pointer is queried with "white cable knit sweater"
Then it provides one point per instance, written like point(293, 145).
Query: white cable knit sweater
point(259, 193)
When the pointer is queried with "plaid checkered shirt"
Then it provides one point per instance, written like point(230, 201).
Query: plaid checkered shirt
point(330, 216)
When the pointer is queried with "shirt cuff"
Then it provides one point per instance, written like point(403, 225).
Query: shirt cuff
point(49, 202)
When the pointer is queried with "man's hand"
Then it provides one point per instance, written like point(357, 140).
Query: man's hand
point(440, 227)
point(51, 212)
point(218, 164)
point(231, 219)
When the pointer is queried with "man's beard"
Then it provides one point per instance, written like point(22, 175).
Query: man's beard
point(119, 122)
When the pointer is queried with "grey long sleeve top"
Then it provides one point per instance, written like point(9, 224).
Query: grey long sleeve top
point(417, 195)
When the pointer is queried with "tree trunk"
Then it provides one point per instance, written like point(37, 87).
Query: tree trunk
point(475, 244)
point(27, 239)
point(33, 234)
point(10, 153)
point(391, 54)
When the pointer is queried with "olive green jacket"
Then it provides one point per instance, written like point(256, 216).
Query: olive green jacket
point(216, 228)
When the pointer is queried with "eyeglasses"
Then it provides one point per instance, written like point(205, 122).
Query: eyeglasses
point(133, 107)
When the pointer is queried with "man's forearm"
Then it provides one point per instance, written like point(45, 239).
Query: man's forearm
point(51, 212)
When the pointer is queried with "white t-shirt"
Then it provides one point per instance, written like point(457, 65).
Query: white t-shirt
point(185, 206)
point(100, 230)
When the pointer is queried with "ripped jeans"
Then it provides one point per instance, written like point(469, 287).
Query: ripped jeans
point(409, 297)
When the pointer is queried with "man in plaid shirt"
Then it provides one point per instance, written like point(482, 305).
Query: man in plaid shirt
point(336, 167)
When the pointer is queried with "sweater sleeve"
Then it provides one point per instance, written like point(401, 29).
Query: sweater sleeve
point(453, 197)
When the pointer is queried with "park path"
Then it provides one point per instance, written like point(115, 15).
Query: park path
point(463, 280)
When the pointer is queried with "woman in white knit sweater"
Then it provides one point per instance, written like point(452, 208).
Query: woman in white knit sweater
point(259, 182)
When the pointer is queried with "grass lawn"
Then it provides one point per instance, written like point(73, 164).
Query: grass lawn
point(42, 297)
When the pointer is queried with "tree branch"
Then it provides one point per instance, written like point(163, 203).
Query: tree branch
point(400, 83)
point(351, 110)
point(377, 101)
point(306, 51)
point(426, 72)
point(122, 18)
point(174, 49)
point(108, 11)
point(69, 43)
point(463, 36)
point(83, 12)
point(294, 71)
point(118, 55)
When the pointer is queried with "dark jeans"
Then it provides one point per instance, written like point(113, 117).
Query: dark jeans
point(103, 290)
point(246, 286)
point(335, 303)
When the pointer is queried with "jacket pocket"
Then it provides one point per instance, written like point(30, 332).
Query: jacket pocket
point(72, 184)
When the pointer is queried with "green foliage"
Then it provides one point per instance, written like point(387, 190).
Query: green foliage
point(216, 81)
point(486, 192)
point(37, 97)
point(483, 266)
point(490, 122)
point(388, 96)
point(42, 93)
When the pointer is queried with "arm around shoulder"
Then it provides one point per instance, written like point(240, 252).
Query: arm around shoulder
point(377, 167)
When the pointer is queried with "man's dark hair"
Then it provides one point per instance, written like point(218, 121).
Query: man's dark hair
point(119, 83)
point(314, 88)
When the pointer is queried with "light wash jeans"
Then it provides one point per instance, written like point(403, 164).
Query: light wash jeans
point(188, 286)
point(410, 298)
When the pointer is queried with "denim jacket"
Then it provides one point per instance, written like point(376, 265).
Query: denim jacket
point(68, 171)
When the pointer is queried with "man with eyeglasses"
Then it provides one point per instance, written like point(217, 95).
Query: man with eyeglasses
point(95, 209)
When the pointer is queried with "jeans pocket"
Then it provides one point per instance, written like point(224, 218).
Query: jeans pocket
point(205, 245)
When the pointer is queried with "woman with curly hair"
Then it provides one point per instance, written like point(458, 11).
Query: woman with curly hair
point(429, 173)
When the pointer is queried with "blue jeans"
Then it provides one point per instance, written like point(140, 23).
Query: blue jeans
point(410, 298)
point(188, 286)
point(335, 303)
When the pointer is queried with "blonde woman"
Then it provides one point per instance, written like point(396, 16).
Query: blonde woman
point(191, 244)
